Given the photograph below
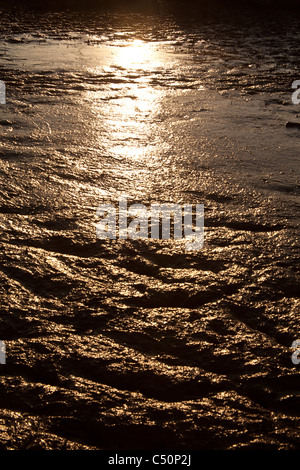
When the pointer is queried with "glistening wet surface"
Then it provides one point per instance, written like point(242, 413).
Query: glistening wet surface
point(125, 344)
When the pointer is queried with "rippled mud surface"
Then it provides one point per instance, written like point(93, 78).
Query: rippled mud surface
point(126, 344)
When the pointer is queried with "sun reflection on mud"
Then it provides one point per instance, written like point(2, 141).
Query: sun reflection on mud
point(130, 105)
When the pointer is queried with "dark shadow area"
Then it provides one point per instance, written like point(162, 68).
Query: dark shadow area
point(149, 6)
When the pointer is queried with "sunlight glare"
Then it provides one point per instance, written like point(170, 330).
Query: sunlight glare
point(138, 54)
